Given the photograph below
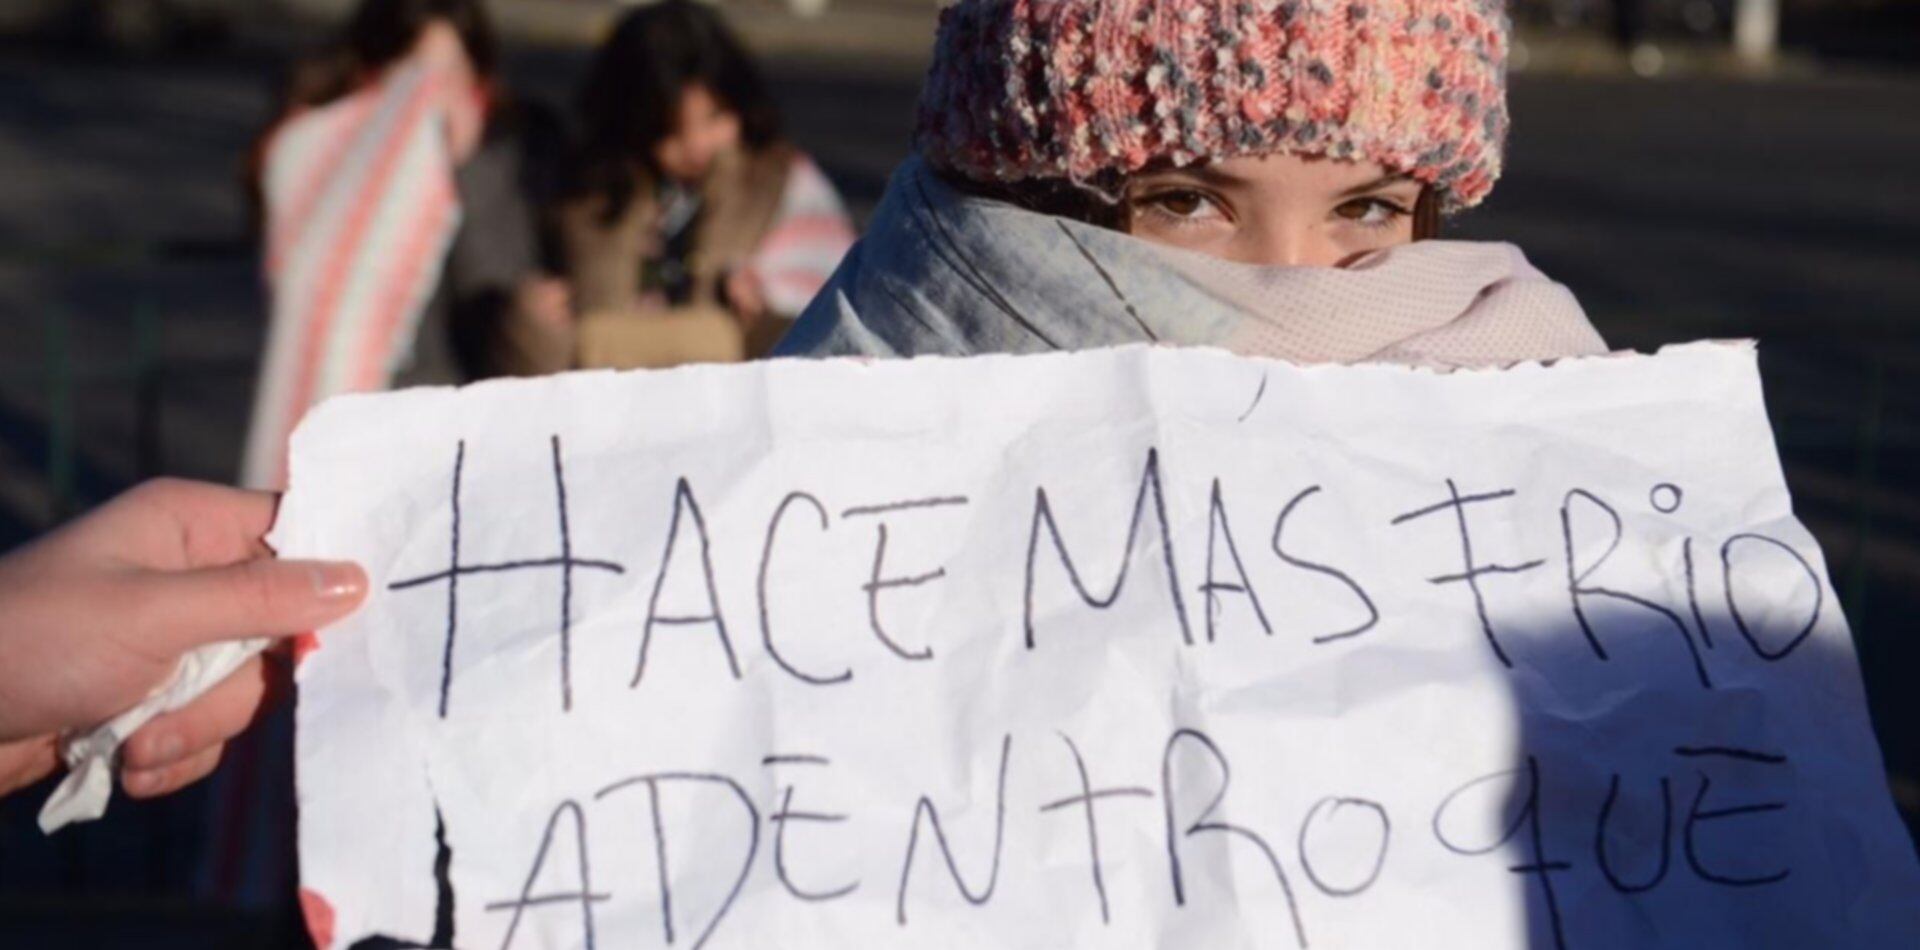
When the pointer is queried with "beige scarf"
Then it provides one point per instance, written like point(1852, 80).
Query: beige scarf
point(1431, 303)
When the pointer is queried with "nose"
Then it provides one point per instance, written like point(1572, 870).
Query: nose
point(1288, 243)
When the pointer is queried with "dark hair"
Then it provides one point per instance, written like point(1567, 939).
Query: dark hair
point(1426, 215)
point(631, 99)
point(1064, 199)
point(379, 33)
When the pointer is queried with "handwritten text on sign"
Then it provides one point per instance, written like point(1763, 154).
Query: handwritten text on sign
point(1132, 648)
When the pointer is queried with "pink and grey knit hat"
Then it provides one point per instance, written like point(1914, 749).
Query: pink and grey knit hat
point(1087, 89)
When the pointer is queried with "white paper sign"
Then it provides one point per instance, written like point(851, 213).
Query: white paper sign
point(1129, 648)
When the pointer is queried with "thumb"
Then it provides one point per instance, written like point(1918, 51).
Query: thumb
point(261, 597)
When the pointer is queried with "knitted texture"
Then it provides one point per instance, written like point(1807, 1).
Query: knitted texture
point(1087, 90)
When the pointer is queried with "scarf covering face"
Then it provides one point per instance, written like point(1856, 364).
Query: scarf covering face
point(941, 272)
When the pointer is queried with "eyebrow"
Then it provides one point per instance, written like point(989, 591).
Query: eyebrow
point(1376, 184)
point(1212, 175)
point(1205, 174)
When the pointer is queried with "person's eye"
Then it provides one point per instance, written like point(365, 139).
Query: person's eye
point(1372, 212)
point(1181, 206)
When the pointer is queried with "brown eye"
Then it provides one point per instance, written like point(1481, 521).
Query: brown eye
point(1375, 212)
point(1174, 206)
point(1182, 203)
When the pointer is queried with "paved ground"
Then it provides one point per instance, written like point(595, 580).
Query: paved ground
point(1786, 210)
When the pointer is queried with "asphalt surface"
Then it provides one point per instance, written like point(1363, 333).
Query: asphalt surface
point(1786, 210)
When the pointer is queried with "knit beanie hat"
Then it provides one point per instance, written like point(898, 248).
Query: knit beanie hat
point(1088, 90)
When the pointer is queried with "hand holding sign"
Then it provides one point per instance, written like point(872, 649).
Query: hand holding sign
point(99, 613)
point(1126, 648)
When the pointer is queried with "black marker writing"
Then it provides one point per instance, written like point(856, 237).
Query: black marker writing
point(1471, 570)
point(1086, 798)
point(801, 759)
point(879, 581)
point(1218, 529)
point(1665, 498)
point(1529, 816)
point(1204, 823)
point(766, 562)
point(1279, 528)
point(890, 507)
point(924, 809)
point(1666, 838)
point(566, 562)
point(1697, 816)
point(1255, 404)
point(1693, 594)
point(1333, 806)
point(653, 782)
point(784, 816)
point(584, 895)
point(1149, 489)
point(1578, 587)
point(684, 503)
point(1733, 603)
point(1729, 752)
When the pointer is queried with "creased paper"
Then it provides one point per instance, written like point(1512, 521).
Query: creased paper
point(1128, 648)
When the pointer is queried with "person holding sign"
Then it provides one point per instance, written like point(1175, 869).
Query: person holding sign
point(1102, 649)
point(1265, 178)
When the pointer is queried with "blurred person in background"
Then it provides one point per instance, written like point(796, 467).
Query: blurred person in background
point(397, 194)
point(693, 231)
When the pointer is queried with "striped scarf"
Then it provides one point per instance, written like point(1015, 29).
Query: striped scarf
point(809, 235)
point(360, 212)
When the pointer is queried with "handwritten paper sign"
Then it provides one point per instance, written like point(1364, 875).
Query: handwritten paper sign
point(1131, 648)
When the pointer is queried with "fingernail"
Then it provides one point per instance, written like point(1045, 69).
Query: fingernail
point(338, 580)
point(166, 748)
